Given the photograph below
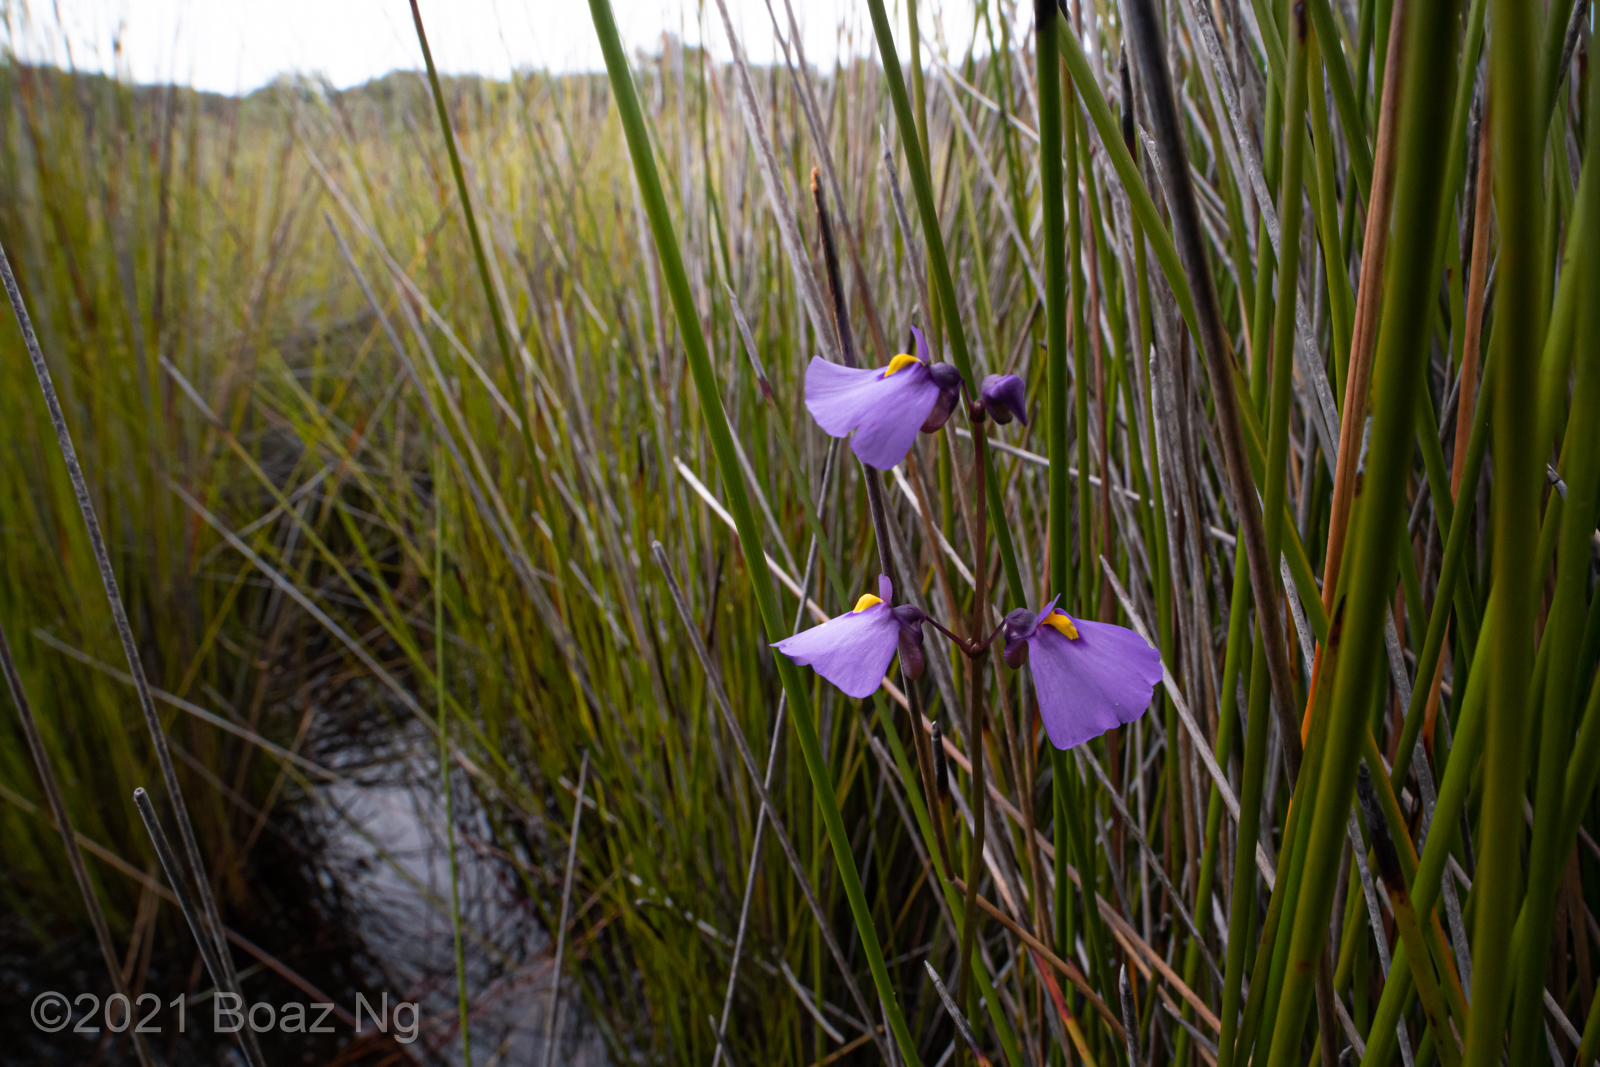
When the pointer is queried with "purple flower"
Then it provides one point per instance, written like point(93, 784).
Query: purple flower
point(853, 650)
point(886, 407)
point(1005, 397)
point(1088, 676)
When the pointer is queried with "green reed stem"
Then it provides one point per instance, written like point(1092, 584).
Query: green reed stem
point(1272, 947)
point(1459, 772)
point(1048, 70)
point(1227, 724)
point(1519, 328)
point(1080, 349)
point(1400, 361)
point(1046, 13)
point(1344, 97)
point(1243, 899)
point(1564, 633)
point(496, 312)
point(444, 756)
point(738, 502)
point(1144, 208)
point(1242, 908)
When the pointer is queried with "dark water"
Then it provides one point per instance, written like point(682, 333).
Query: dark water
point(350, 891)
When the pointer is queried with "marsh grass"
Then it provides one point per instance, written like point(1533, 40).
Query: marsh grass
point(326, 463)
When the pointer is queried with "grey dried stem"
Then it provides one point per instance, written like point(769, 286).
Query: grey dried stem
point(1145, 37)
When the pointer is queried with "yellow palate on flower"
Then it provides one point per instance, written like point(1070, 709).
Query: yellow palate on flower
point(866, 601)
point(1062, 623)
point(899, 363)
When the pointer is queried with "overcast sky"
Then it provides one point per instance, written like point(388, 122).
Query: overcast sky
point(233, 46)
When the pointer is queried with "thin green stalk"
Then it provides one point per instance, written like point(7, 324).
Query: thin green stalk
point(1406, 921)
point(910, 781)
point(1227, 723)
point(1055, 292)
point(1144, 208)
point(1519, 310)
point(444, 758)
point(1289, 205)
point(1564, 633)
point(738, 501)
point(1471, 49)
point(1341, 301)
point(975, 720)
point(1344, 99)
point(1590, 1045)
point(490, 296)
point(1435, 851)
point(1400, 361)
point(1243, 901)
point(1272, 947)
point(1242, 906)
point(1446, 586)
point(1051, 182)
point(1460, 770)
point(1080, 351)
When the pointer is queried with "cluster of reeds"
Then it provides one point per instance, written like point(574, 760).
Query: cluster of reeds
point(481, 406)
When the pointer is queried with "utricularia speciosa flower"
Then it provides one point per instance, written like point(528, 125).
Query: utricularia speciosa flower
point(853, 650)
point(885, 406)
point(1088, 676)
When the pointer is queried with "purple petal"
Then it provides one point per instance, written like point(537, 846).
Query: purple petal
point(885, 589)
point(922, 346)
point(1039, 619)
point(852, 650)
point(885, 412)
point(1086, 687)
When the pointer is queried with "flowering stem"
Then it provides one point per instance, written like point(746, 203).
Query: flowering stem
point(980, 599)
point(847, 351)
point(943, 291)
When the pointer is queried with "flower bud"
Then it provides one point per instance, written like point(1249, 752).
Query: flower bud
point(1005, 396)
